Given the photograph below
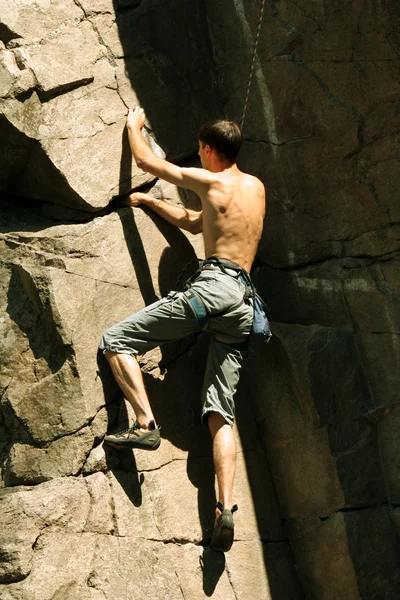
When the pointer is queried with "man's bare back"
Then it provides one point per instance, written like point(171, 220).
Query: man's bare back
point(233, 214)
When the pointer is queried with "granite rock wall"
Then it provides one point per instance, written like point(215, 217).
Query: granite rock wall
point(317, 476)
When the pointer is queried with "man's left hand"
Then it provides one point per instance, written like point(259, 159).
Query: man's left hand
point(136, 118)
point(134, 199)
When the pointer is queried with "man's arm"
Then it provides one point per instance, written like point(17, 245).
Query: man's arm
point(179, 216)
point(190, 178)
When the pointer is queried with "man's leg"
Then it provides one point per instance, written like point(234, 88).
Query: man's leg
point(130, 379)
point(167, 319)
point(220, 382)
point(224, 455)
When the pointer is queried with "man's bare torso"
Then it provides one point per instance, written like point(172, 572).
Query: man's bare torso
point(233, 213)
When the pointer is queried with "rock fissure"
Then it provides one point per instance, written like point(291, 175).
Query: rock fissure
point(164, 464)
point(119, 93)
point(109, 54)
point(174, 541)
point(230, 579)
point(261, 141)
point(333, 258)
point(79, 5)
point(351, 509)
point(47, 95)
point(266, 541)
point(325, 88)
point(23, 42)
point(121, 285)
point(179, 585)
point(114, 518)
point(308, 16)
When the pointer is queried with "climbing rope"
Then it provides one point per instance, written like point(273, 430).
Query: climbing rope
point(253, 60)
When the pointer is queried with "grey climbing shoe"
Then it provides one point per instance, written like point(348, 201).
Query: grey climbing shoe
point(134, 438)
point(222, 538)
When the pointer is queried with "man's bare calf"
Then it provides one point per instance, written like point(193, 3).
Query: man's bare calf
point(144, 434)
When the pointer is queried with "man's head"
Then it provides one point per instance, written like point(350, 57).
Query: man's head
point(223, 137)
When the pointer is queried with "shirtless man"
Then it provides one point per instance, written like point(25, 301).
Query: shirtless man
point(231, 220)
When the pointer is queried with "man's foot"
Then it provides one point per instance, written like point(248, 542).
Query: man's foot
point(135, 437)
point(222, 538)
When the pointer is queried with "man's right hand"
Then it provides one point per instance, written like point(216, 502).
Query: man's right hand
point(136, 118)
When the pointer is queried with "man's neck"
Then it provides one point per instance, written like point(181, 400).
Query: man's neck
point(223, 167)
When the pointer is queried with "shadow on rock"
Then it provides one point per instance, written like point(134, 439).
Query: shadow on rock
point(120, 462)
point(213, 565)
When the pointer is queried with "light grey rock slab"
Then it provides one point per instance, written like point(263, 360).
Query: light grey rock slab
point(60, 505)
point(13, 80)
point(29, 20)
point(63, 457)
point(201, 572)
point(60, 561)
point(262, 570)
point(15, 556)
point(126, 566)
point(100, 517)
point(69, 133)
point(64, 60)
point(133, 506)
point(96, 461)
point(46, 420)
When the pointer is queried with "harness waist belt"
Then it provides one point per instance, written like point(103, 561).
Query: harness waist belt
point(226, 265)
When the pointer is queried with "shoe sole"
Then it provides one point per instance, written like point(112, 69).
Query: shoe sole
point(134, 444)
point(224, 541)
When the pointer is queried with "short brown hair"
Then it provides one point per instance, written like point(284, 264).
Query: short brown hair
point(225, 137)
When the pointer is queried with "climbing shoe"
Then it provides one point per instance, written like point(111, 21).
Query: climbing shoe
point(222, 538)
point(135, 438)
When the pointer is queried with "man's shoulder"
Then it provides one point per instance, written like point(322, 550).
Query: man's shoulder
point(253, 182)
point(252, 178)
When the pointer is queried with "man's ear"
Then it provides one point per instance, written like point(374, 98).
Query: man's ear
point(208, 149)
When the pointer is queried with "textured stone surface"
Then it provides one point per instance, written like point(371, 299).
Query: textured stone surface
point(69, 282)
point(81, 66)
point(316, 112)
point(324, 559)
point(65, 456)
point(317, 411)
point(60, 505)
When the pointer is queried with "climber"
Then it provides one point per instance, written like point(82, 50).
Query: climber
point(217, 299)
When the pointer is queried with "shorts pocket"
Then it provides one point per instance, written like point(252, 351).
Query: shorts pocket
point(170, 297)
point(231, 290)
point(155, 304)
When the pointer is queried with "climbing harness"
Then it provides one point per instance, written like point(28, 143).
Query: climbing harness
point(253, 60)
point(260, 327)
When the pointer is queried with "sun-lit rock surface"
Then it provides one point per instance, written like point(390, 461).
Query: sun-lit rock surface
point(318, 408)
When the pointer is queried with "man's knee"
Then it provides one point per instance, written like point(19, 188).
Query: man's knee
point(109, 354)
point(214, 421)
point(104, 341)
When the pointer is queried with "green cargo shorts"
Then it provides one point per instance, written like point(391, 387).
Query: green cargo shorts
point(229, 323)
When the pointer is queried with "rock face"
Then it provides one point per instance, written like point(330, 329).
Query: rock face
point(66, 83)
point(317, 411)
